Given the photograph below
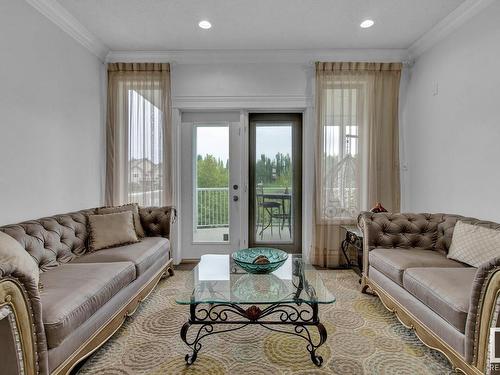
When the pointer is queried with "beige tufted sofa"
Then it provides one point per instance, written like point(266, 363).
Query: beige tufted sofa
point(84, 297)
point(451, 306)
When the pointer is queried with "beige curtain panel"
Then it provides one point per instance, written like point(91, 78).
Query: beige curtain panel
point(139, 135)
point(357, 149)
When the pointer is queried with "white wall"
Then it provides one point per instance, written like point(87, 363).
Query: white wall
point(51, 133)
point(241, 80)
point(452, 123)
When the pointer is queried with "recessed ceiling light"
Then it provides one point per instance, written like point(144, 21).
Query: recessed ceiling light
point(205, 24)
point(366, 24)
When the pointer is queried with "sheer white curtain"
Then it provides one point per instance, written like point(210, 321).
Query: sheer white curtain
point(357, 149)
point(138, 135)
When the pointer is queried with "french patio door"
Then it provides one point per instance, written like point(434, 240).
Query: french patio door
point(211, 145)
point(275, 183)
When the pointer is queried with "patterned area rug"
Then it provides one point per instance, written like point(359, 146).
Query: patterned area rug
point(363, 338)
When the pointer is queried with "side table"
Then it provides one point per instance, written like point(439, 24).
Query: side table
point(353, 238)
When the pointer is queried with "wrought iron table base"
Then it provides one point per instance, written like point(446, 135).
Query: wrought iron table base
point(301, 316)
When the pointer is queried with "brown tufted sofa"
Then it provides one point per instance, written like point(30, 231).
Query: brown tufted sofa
point(83, 298)
point(451, 306)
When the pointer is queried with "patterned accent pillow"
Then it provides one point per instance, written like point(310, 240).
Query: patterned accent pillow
point(473, 244)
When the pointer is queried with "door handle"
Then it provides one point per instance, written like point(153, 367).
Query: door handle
point(236, 198)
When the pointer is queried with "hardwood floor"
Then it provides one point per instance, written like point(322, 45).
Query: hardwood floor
point(185, 266)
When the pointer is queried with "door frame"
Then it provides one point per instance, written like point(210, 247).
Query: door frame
point(297, 143)
point(274, 104)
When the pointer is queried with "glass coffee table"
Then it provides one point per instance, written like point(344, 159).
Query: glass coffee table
point(222, 297)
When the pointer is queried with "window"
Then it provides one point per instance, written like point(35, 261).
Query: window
point(340, 152)
point(357, 149)
point(145, 150)
point(139, 141)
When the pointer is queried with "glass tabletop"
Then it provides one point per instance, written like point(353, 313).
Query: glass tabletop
point(217, 279)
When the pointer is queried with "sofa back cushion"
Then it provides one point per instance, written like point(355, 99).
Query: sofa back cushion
point(52, 240)
point(388, 230)
point(156, 220)
point(408, 230)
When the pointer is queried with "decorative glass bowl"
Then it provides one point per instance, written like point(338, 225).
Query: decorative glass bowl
point(246, 259)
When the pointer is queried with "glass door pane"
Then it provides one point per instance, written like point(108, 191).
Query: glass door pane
point(273, 187)
point(275, 181)
point(211, 184)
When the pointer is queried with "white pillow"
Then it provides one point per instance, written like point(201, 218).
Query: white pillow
point(11, 252)
point(473, 244)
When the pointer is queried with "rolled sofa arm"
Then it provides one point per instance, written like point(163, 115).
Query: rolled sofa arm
point(21, 306)
point(156, 220)
point(369, 233)
point(484, 313)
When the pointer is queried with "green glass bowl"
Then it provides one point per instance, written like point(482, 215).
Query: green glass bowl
point(245, 257)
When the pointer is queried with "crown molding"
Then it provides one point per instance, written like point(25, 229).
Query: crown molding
point(56, 13)
point(463, 13)
point(259, 56)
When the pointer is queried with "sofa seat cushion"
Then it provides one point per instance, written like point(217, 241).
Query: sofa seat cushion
point(393, 262)
point(446, 291)
point(143, 254)
point(72, 293)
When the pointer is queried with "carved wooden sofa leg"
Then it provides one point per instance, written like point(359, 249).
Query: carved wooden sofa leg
point(169, 270)
point(365, 287)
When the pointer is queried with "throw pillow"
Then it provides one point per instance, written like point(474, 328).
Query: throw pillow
point(109, 230)
point(13, 253)
point(473, 244)
point(134, 207)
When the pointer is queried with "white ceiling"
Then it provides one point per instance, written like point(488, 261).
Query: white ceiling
point(161, 25)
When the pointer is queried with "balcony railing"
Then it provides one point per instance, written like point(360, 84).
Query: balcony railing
point(212, 207)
